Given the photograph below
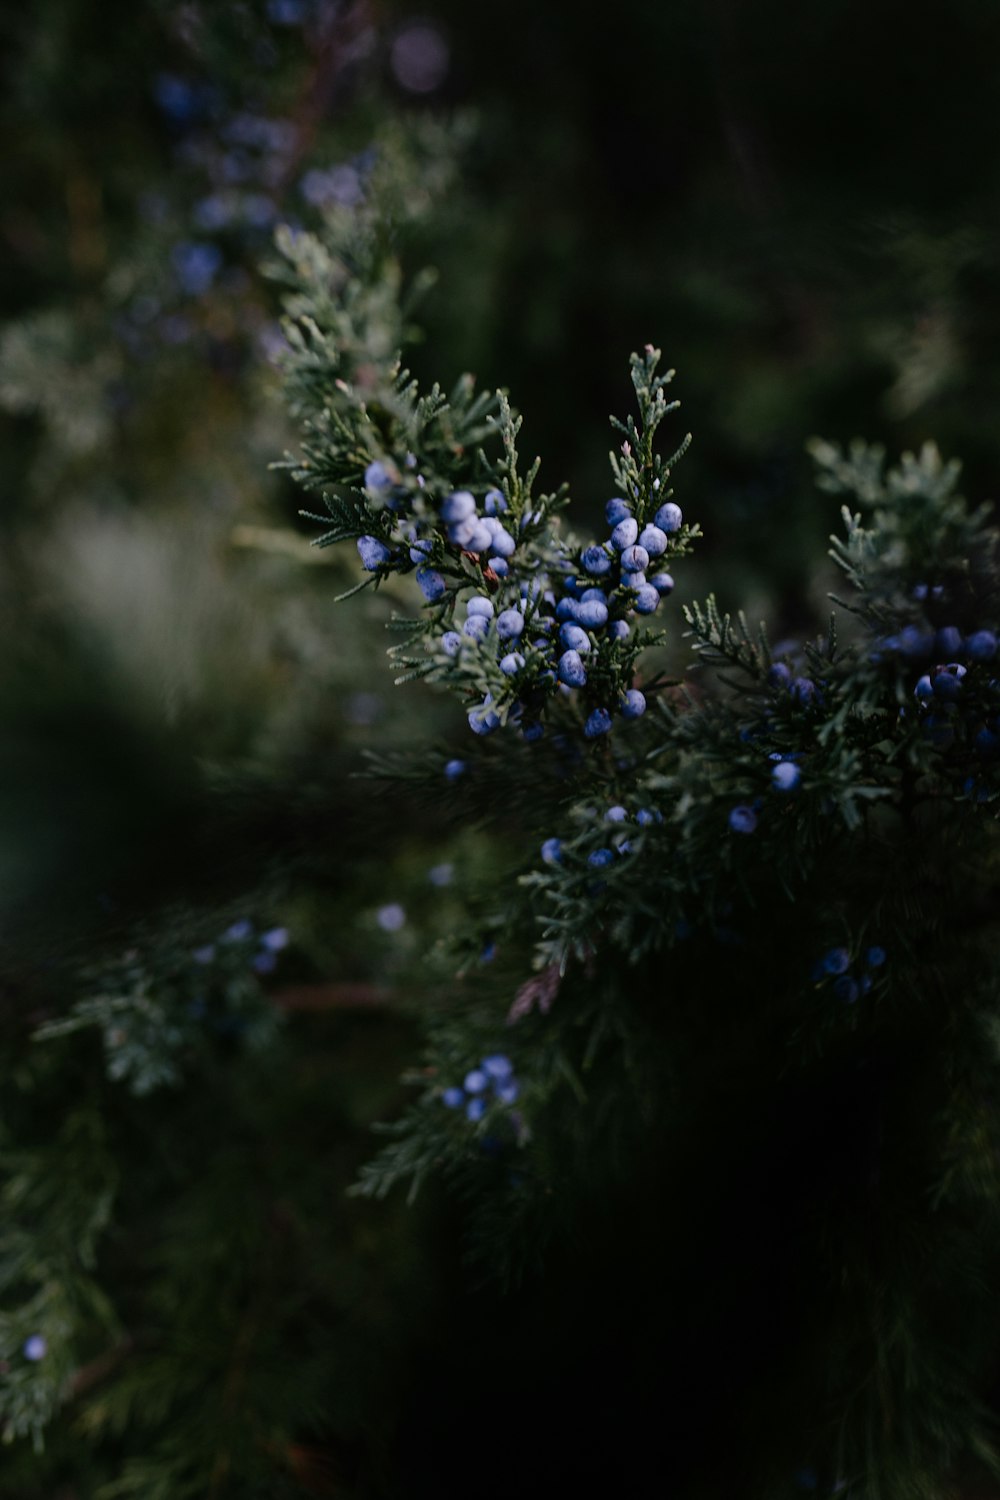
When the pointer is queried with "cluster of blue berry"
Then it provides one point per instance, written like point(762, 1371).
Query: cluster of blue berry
point(939, 691)
point(802, 690)
point(493, 1081)
point(835, 966)
point(563, 628)
point(269, 944)
point(786, 776)
point(615, 827)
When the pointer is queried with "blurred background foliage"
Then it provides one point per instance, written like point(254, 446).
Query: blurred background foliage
point(797, 203)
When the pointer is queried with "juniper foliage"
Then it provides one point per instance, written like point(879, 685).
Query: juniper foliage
point(765, 906)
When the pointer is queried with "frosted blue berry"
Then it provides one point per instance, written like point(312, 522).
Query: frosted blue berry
point(633, 704)
point(837, 961)
point(663, 584)
point(503, 543)
point(475, 1109)
point(454, 769)
point(647, 599)
point(654, 540)
point(498, 1066)
point(461, 506)
point(566, 610)
point(453, 1098)
point(571, 669)
point(552, 851)
point(35, 1348)
point(625, 534)
point(460, 533)
point(743, 819)
point(924, 688)
point(669, 517)
point(494, 503)
point(593, 593)
point(275, 939)
point(981, 645)
point(616, 814)
point(598, 723)
point(599, 858)
point(512, 662)
point(573, 637)
point(593, 613)
point(635, 559)
point(618, 630)
point(786, 776)
point(845, 988)
point(377, 478)
point(510, 624)
point(645, 818)
point(480, 538)
point(616, 510)
point(475, 1081)
point(875, 957)
point(507, 1092)
point(477, 627)
point(431, 583)
point(596, 561)
point(451, 643)
point(420, 550)
point(499, 566)
point(479, 605)
point(373, 553)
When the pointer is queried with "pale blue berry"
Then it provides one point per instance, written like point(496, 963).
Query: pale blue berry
point(373, 553)
point(663, 584)
point(498, 1066)
point(499, 566)
point(377, 478)
point(743, 819)
point(633, 704)
point(599, 858)
point(420, 550)
point(654, 540)
point(238, 932)
point(573, 637)
point(460, 506)
point(503, 543)
point(477, 627)
point(593, 613)
point(669, 518)
point(453, 1098)
point(475, 1081)
point(475, 1109)
point(483, 720)
point(276, 939)
point(645, 818)
point(647, 599)
point(454, 769)
point(507, 1092)
point(451, 643)
point(786, 776)
point(616, 510)
point(618, 630)
point(494, 503)
point(510, 624)
point(616, 814)
point(480, 539)
point(511, 663)
point(479, 605)
point(431, 583)
point(635, 559)
point(391, 917)
point(552, 851)
point(625, 533)
point(571, 669)
point(596, 561)
point(35, 1348)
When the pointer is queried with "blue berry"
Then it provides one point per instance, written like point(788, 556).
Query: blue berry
point(618, 630)
point(35, 1348)
point(510, 624)
point(479, 605)
point(239, 932)
point(875, 957)
point(494, 503)
point(593, 613)
point(803, 690)
point(663, 584)
point(596, 561)
point(451, 643)
point(391, 918)
point(431, 583)
point(552, 851)
point(598, 723)
point(574, 638)
point(599, 858)
point(480, 538)
point(669, 517)
point(566, 610)
point(635, 559)
point(786, 776)
point(624, 534)
point(461, 506)
point(532, 732)
point(948, 682)
point(915, 644)
point(511, 663)
point(377, 478)
point(924, 688)
point(846, 989)
point(615, 511)
point(453, 1098)
point(616, 814)
point(275, 939)
point(475, 1081)
point(499, 566)
point(920, 591)
point(503, 543)
point(743, 819)
point(633, 704)
point(420, 550)
point(477, 627)
point(645, 818)
point(593, 595)
point(460, 533)
point(647, 599)
point(948, 641)
point(571, 669)
point(507, 1092)
point(987, 742)
point(483, 720)
point(981, 645)
point(654, 540)
point(475, 1109)
point(373, 553)
point(498, 1066)
point(454, 769)
point(837, 961)
point(778, 675)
